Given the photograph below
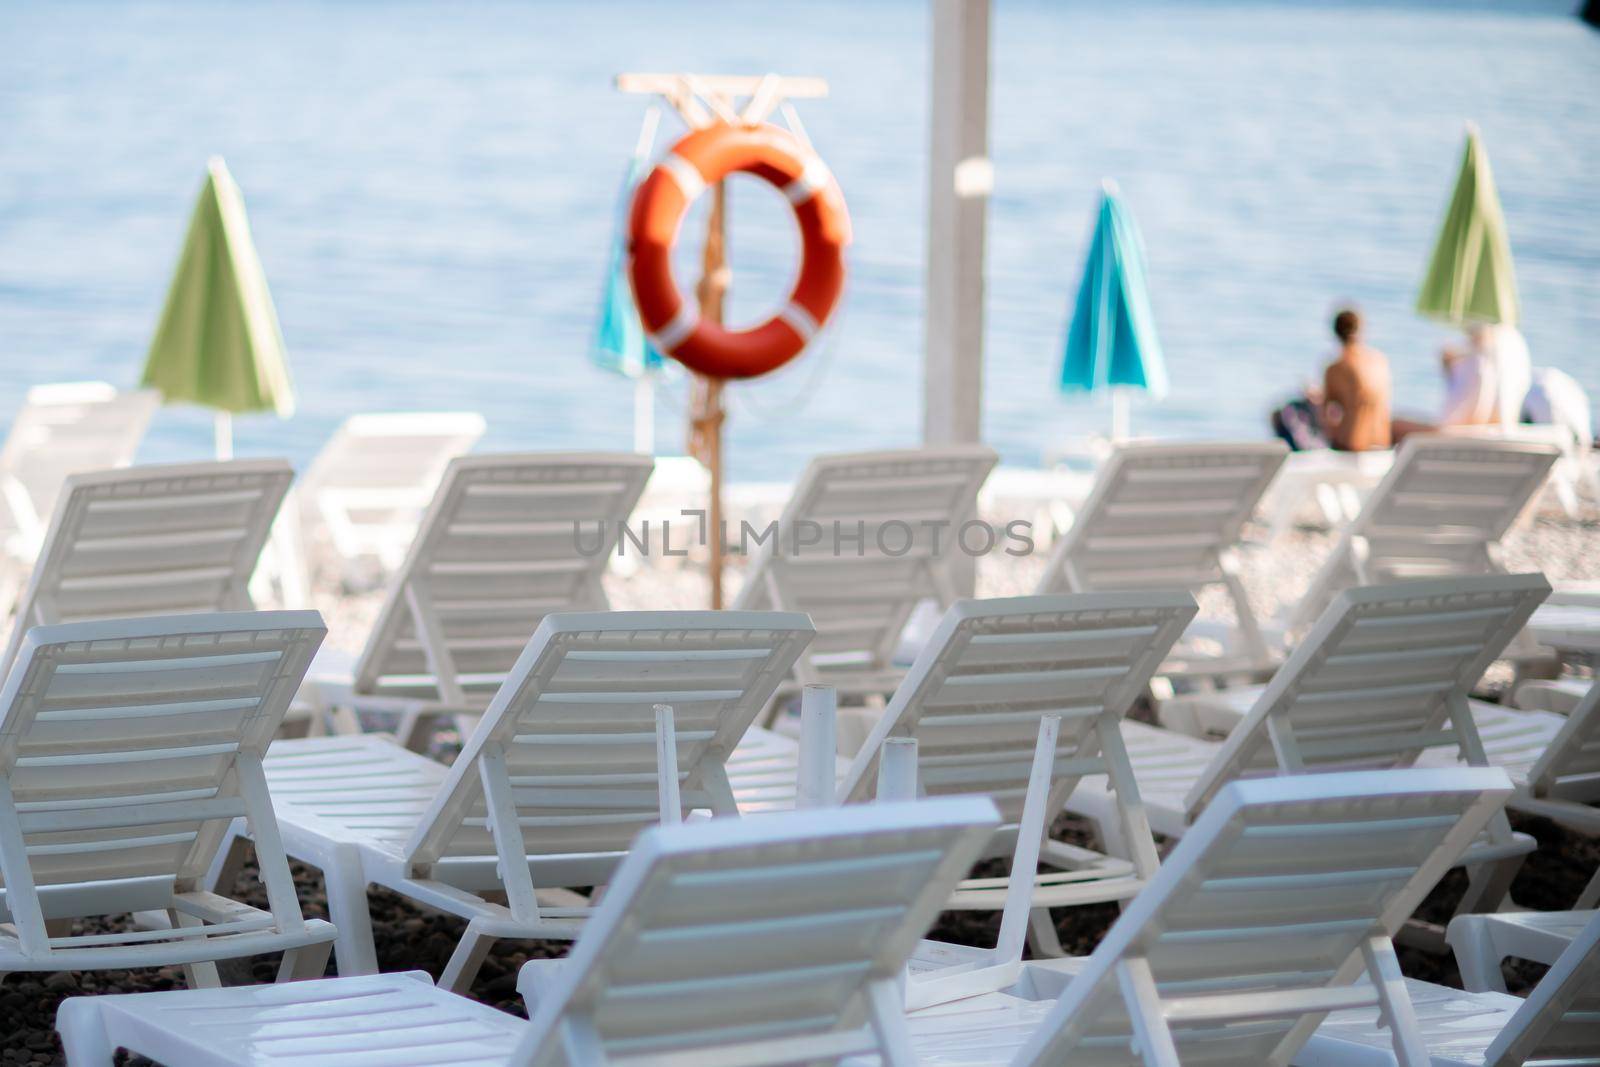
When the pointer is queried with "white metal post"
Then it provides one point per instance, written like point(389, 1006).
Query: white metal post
point(819, 708)
point(960, 177)
point(897, 769)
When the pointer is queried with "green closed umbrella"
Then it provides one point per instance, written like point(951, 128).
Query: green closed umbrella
point(218, 344)
point(1471, 277)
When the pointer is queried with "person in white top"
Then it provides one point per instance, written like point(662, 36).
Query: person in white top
point(1485, 382)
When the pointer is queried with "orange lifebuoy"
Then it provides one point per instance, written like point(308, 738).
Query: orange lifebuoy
point(703, 158)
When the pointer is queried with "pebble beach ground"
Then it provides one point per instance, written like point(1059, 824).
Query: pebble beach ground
point(409, 939)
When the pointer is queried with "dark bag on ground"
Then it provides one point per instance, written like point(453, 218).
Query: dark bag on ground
point(1297, 423)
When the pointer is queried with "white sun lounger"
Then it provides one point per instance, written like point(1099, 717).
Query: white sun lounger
point(896, 516)
point(127, 746)
point(62, 429)
point(729, 942)
point(974, 701)
point(160, 539)
point(1266, 916)
point(362, 497)
point(1381, 677)
point(1015, 699)
point(557, 778)
point(1442, 509)
point(507, 540)
point(1553, 760)
point(1169, 516)
point(1558, 1024)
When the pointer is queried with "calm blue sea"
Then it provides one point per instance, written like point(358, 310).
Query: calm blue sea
point(432, 189)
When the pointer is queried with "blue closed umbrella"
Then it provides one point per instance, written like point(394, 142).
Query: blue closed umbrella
point(620, 344)
point(619, 341)
point(1111, 341)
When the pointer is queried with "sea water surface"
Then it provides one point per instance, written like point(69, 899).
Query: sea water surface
point(433, 191)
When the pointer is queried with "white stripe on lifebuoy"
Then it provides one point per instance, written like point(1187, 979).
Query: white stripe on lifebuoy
point(684, 174)
point(814, 177)
point(677, 331)
point(799, 320)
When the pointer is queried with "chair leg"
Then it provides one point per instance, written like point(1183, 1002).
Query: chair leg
point(466, 960)
point(1476, 956)
point(308, 961)
point(202, 975)
point(1489, 885)
point(223, 878)
point(83, 1033)
point(416, 730)
point(346, 885)
point(1042, 934)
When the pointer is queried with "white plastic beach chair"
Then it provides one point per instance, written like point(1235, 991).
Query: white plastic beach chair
point(1169, 516)
point(149, 540)
point(1554, 763)
point(1558, 1025)
point(1268, 915)
point(975, 699)
point(866, 538)
point(557, 778)
point(127, 747)
point(1442, 509)
point(508, 539)
point(1553, 760)
point(728, 942)
point(1382, 677)
point(63, 429)
point(362, 497)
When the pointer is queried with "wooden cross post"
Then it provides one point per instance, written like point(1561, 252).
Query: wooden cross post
point(701, 100)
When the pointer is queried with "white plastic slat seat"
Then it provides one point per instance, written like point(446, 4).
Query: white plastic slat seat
point(860, 601)
point(363, 495)
point(1168, 515)
point(507, 540)
point(1443, 509)
point(550, 788)
point(1382, 677)
point(150, 540)
point(1558, 1023)
point(753, 942)
point(127, 748)
point(1285, 893)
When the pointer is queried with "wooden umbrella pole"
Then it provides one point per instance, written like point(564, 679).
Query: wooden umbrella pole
point(709, 414)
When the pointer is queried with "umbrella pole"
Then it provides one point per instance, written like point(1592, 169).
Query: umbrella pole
point(1120, 415)
point(223, 429)
point(644, 414)
point(705, 427)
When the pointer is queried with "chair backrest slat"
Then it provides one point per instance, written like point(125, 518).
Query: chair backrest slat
point(757, 941)
point(71, 428)
point(1162, 515)
point(368, 487)
point(118, 742)
point(993, 668)
point(1440, 510)
point(507, 540)
point(160, 539)
point(1271, 895)
point(575, 720)
point(1378, 678)
point(903, 505)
